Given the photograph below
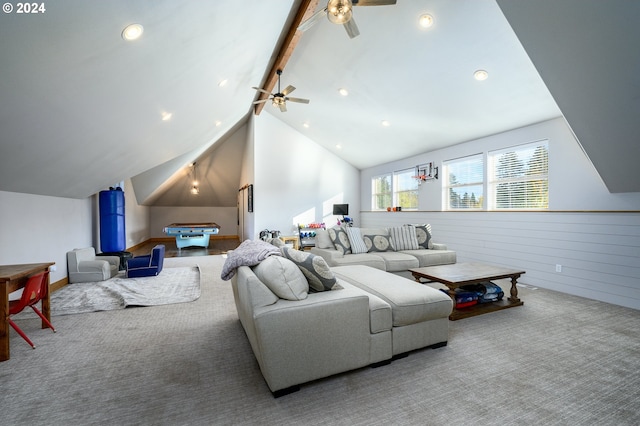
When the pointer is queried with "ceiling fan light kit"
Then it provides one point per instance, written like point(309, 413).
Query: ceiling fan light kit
point(280, 98)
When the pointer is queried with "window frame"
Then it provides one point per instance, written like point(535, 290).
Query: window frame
point(447, 186)
point(525, 179)
point(375, 195)
point(397, 193)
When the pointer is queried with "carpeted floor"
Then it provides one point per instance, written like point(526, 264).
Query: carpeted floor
point(558, 360)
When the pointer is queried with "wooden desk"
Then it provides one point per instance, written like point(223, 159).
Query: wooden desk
point(12, 278)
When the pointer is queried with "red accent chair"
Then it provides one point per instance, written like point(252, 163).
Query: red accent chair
point(31, 294)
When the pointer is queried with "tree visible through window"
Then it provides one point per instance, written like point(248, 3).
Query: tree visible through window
point(381, 192)
point(464, 183)
point(405, 189)
point(519, 177)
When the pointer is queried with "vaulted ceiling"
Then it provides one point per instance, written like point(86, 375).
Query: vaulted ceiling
point(82, 109)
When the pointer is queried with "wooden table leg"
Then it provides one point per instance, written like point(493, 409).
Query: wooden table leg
point(4, 322)
point(514, 290)
point(46, 304)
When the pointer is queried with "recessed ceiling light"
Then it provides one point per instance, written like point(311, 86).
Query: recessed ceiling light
point(166, 116)
point(132, 32)
point(481, 75)
point(425, 20)
point(305, 125)
point(338, 146)
point(218, 123)
point(386, 123)
point(223, 83)
point(343, 92)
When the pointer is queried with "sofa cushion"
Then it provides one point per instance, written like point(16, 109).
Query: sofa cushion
point(410, 302)
point(423, 235)
point(283, 277)
point(433, 257)
point(314, 268)
point(404, 237)
point(355, 240)
point(340, 239)
point(378, 242)
point(395, 261)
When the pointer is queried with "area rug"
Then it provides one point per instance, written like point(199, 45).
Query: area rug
point(173, 285)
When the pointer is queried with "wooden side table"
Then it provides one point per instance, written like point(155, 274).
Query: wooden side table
point(291, 239)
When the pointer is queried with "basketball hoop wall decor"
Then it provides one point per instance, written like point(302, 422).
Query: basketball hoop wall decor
point(426, 172)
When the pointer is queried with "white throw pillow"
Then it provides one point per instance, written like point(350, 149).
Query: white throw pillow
point(355, 239)
point(283, 277)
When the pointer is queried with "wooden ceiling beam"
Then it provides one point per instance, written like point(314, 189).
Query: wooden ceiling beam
point(306, 9)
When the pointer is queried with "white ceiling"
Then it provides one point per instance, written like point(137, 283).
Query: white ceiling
point(81, 108)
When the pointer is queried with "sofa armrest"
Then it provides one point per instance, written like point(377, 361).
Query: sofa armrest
point(329, 255)
point(324, 334)
point(438, 246)
point(113, 260)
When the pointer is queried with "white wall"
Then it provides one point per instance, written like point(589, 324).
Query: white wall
point(592, 234)
point(296, 180)
point(36, 228)
point(574, 183)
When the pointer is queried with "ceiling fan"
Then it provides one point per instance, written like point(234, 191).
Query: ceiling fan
point(339, 12)
point(280, 98)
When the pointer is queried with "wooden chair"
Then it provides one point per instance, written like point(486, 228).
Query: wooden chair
point(31, 294)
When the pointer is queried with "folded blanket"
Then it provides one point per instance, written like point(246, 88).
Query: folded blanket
point(249, 253)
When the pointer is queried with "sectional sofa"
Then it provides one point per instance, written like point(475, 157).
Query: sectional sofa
point(394, 249)
point(305, 321)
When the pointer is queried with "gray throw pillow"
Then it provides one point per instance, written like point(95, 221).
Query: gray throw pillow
point(423, 235)
point(378, 242)
point(340, 239)
point(314, 268)
point(283, 277)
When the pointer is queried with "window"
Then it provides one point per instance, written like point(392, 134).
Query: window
point(405, 189)
point(464, 183)
point(381, 192)
point(518, 177)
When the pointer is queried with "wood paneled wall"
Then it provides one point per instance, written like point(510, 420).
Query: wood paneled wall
point(599, 252)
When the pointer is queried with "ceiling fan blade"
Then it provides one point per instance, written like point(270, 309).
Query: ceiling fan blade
point(299, 100)
point(352, 28)
point(311, 21)
point(261, 90)
point(283, 107)
point(288, 90)
point(373, 2)
point(260, 101)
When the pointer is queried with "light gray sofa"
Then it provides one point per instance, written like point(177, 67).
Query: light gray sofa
point(84, 266)
point(389, 260)
point(369, 318)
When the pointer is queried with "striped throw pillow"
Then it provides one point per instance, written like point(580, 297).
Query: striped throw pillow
point(356, 241)
point(404, 237)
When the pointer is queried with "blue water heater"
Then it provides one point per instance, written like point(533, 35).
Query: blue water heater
point(112, 233)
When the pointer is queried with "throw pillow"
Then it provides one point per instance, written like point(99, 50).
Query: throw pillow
point(314, 268)
point(283, 277)
point(340, 239)
point(356, 241)
point(378, 242)
point(323, 240)
point(404, 237)
point(423, 235)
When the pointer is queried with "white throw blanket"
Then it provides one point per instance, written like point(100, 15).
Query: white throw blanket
point(249, 253)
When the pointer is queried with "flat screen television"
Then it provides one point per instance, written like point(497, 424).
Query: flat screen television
point(341, 209)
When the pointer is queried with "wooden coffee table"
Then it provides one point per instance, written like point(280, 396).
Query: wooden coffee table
point(459, 274)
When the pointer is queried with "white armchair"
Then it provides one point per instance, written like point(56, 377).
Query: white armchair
point(83, 266)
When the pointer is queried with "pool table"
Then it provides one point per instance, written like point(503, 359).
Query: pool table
point(192, 234)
